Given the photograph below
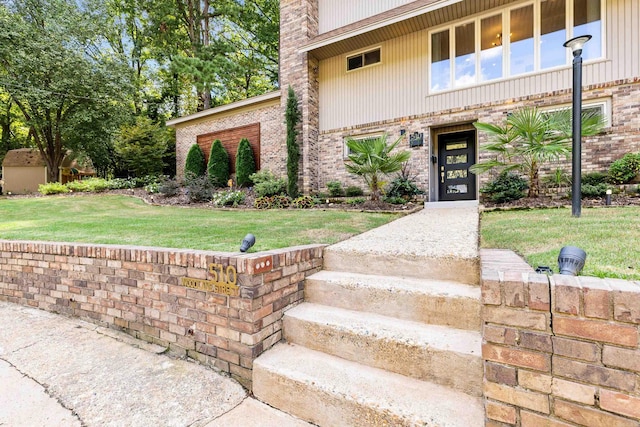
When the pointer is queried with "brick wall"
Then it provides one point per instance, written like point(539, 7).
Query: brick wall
point(272, 134)
point(559, 350)
point(141, 291)
point(597, 152)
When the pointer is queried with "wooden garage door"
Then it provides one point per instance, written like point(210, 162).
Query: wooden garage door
point(230, 139)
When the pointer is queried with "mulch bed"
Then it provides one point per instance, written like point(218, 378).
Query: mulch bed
point(548, 202)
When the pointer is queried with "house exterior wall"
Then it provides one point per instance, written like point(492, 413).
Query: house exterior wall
point(22, 180)
point(333, 13)
point(272, 133)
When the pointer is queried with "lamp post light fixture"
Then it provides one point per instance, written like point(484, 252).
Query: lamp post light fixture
point(576, 44)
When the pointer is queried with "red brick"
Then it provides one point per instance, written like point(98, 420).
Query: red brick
point(619, 403)
point(587, 416)
point(529, 419)
point(573, 391)
point(513, 285)
point(499, 412)
point(521, 358)
point(534, 381)
point(625, 335)
point(500, 335)
point(621, 358)
point(538, 298)
point(515, 317)
point(593, 374)
point(567, 294)
point(626, 306)
point(491, 292)
point(597, 303)
point(500, 374)
point(534, 341)
point(520, 398)
point(576, 349)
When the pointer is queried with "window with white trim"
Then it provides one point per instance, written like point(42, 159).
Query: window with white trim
point(363, 59)
point(370, 137)
point(602, 106)
point(523, 39)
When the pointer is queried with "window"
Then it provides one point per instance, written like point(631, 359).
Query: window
point(371, 137)
point(603, 106)
point(363, 59)
point(522, 39)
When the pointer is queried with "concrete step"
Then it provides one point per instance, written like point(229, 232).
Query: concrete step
point(330, 391)
point(440, 244)
point(429, 301)
point(446, 356)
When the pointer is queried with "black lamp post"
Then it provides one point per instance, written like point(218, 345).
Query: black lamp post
point(575, 44)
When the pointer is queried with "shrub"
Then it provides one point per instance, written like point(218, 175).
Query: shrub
point(262, 202)
point(169, 187)
point(593, 190)
point(403, 187)
point(267, 184)
point(52, 188)
point(245, 163)
point(625, 169)
point(228, 198)
point(152, 188)
point(218, 166)
point(558, 178)
point(353, 191)
point(335, 188)
point(280, 201)
point(303, 202)
point(141, 146)
point(194, 165)
point(199, 189)
point(120, 183)
point(292, 118)
point(88, 185)
point(593, 178)
point(506, 187)
point(356, 201)
point(394, 200)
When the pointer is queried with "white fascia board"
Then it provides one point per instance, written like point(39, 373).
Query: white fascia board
point(227, 107)
point(380, 24)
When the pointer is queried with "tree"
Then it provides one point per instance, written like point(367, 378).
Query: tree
point(529, 138)
point(292, 118)
point(51, 71)
point(245, 163)
point(218, 166)
point(372, 159)
point(141, 146)
point(194, 165)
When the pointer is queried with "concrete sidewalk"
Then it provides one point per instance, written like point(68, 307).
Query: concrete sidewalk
point(57, 371)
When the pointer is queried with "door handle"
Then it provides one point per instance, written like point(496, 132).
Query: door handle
point(442, 177)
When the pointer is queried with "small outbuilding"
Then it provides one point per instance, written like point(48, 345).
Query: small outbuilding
point(24, 169)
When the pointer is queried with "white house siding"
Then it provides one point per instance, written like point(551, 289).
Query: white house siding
point(272, 137)
point(338, 13)
point(398, 86)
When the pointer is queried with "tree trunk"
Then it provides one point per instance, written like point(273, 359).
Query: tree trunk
point(375, 191)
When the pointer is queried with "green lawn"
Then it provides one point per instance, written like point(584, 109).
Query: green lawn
point(610, 237)
point(126, 220)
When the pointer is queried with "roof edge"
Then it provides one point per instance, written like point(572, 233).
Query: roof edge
point(376, 25)
point(227, 107)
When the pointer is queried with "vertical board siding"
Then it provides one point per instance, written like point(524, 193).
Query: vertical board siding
point(230, 139)
point(338, 13)
point(398, 86)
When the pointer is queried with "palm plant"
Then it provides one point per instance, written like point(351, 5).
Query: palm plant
point(530, 138)
point(372, 159)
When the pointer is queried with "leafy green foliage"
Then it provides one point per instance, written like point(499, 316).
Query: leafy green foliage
point(168, 187)
point(395, 200)
point(267, 184)
point(593, 178)
point(141, 146)
point(194, 164)
point(200, 189)
point(280, 201)
point(335, 188)
point(507, 187)
point(88, 185)
point(292, 118)
point(245, 163)
point(353, 191)
point(593, 190)
point(52, 188)
point(218, 166)
point(625, 169)
point(373, 159)
point(558, 178)
point(303, 202)
point(229, 198)
point(356, 201)
point(403, 186)
point(531, 137)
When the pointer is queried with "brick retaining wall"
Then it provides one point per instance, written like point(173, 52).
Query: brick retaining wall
point(558, 350)
point(142, 291)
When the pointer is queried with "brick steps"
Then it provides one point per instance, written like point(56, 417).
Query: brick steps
point(330, 391)
point(420, 300)
point(439, 354)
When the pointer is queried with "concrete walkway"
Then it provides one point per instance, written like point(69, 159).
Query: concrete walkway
point(56, 371)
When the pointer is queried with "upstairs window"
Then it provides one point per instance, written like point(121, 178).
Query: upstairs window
point(523, 39)
point(363, 59)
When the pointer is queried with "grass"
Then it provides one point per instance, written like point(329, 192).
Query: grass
point(125, 220)
point(609, 236)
